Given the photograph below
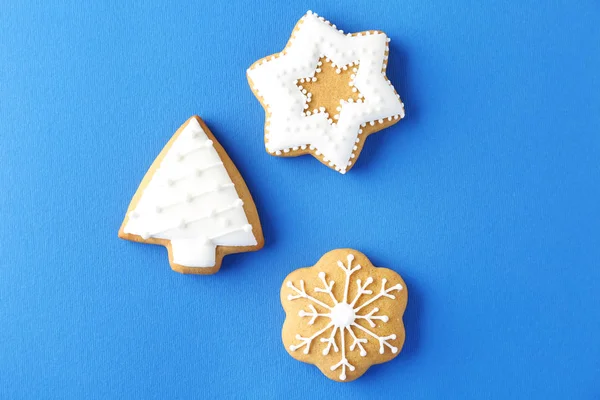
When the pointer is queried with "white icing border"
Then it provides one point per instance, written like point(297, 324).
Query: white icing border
point(274, 79)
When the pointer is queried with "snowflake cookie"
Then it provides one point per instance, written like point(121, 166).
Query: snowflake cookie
point(343, 314)
point(194, 202)
point(325, 92)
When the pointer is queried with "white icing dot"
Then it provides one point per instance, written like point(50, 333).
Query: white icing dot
point(238, 203)
point(208, 143)
point(247, 228)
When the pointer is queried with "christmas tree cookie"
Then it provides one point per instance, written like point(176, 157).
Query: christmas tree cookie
point(343, 314)
point(325, 92)
point(194, 202)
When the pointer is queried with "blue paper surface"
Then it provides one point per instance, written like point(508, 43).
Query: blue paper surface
point(486, 199)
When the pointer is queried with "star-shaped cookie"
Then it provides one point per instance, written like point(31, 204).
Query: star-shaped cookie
point(325, 92)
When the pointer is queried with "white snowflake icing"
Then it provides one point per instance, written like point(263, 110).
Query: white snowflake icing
point(342, 315)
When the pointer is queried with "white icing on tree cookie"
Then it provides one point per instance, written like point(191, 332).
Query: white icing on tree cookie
point(344, 315)
point(192, 202)
point(291, 125)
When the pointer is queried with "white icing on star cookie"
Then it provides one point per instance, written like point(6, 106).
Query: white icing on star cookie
point(192, 202)
point(290, 125)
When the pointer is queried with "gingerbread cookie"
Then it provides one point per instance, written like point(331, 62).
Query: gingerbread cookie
point(343, 314)
point(325, 92)
point(194, 202)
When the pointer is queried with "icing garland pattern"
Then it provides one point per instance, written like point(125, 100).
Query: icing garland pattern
point(291, 128)
point(344, 316)
point(192, 202)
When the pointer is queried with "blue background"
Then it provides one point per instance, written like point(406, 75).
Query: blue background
point(486, 199)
